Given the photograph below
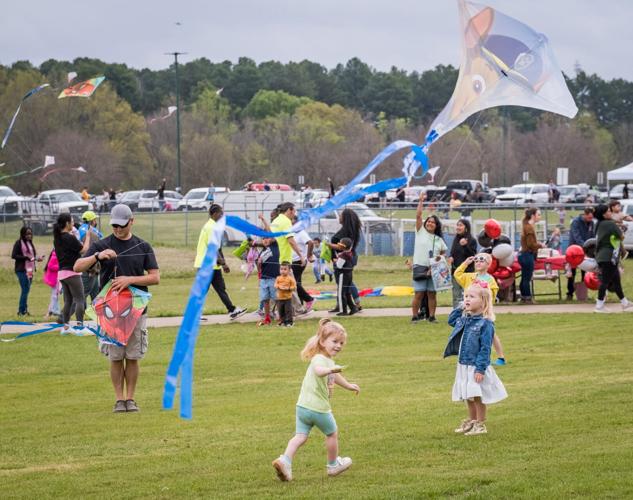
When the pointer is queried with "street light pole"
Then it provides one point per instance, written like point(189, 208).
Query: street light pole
point(176, 54)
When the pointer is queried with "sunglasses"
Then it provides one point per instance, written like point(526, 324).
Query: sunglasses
point(480, 259)
point(119, 226)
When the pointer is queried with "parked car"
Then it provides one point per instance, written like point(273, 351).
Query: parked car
point(627, 208)
point(615, 193)
point(412, 193)
point(9, 203)
point(196, 198)
point(148, 201)
point(524, 193)
point(372, 222)
point(572, 194)
point(462, 187)
point(499, 190)
point(129, 198)
point(41, 212)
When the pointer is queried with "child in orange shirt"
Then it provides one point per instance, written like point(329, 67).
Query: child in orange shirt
point(285, 284)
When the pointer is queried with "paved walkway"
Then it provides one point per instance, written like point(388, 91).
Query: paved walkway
point(251, 317)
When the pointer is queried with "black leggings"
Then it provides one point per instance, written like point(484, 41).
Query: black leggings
point(344, 287)
point(609, 280)
point(73, 290)
point(297, 271)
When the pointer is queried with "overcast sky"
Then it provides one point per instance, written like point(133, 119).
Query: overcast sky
point(408, 34)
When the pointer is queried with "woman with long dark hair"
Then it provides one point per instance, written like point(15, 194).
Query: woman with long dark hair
point(69, 249)
point(464, 246)
point(608, 248)
point(351, 227)
point(429, 246)
point(25, 258)
point(527, 255)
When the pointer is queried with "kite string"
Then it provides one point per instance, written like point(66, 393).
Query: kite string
point(459, 150)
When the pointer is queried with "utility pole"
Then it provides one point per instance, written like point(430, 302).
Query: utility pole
point(176, 54)
point(504, 125)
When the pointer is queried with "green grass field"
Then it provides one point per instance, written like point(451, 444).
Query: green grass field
point(563, 432)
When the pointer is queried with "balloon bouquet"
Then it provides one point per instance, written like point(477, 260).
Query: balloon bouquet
point(504, 265)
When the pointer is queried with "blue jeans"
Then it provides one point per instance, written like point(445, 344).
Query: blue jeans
point(526, 259)
point(25, 285)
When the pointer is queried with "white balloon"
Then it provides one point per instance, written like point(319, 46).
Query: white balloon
point(588, 265)
point(502, 250)
point(508, 261)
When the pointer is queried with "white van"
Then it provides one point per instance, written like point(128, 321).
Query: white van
point(197, 198)
point(248, 205)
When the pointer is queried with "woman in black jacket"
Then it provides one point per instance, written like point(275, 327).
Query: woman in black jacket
point(351, 227)
point(464, 246)
point(69, 249)
point(608, 248)
point(25, 257)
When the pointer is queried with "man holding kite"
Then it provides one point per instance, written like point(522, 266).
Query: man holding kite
point(128, 267)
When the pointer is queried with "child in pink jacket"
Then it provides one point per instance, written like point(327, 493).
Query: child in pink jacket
point(50, 278)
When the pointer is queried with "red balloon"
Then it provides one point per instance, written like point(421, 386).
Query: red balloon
point(492, 229)
point(516, 267)
point(574, 255)
point(591, 281)
point(493, 265)
point(503, 273)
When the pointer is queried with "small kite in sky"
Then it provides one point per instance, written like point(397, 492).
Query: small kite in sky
point(170, 111)
point(82, 89)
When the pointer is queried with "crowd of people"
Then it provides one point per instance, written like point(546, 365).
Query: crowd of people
point(84, 263)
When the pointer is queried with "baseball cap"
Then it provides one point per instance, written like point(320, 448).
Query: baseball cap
point(89, 216)
point(120, 214)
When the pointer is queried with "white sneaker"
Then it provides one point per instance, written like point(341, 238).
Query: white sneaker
point(81, 331)
point(466, 425)
point(478, 428)
point(627, 306)
point(342, 464)
point(600, 309)
point(237, 312)
point(284, 471)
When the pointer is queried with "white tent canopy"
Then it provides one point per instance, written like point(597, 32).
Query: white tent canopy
point(621, 174)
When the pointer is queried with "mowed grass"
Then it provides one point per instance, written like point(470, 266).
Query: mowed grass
point(565, 430)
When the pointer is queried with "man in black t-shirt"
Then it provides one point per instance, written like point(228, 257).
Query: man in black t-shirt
point(125, 260)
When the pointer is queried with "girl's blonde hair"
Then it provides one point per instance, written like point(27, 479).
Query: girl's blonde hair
point(482, 288)
point(327, 328)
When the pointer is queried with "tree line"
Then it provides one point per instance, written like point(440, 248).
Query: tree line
point(279, 121)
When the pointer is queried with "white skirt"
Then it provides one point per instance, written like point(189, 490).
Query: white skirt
point(491, 389)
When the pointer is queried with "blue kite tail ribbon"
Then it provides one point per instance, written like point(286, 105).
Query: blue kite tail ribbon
point(182, 357)
point(49, 327)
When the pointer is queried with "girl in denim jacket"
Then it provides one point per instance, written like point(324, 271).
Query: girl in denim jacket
point(471, 340)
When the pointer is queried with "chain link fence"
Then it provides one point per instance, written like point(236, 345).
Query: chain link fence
point(387, 229)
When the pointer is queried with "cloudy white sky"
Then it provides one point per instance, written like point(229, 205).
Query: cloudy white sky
point(409, 34)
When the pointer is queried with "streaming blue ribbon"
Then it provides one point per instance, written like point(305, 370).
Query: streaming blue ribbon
point(49, 327)
point(182, 356)
point(181, 362)
point(17, 111)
